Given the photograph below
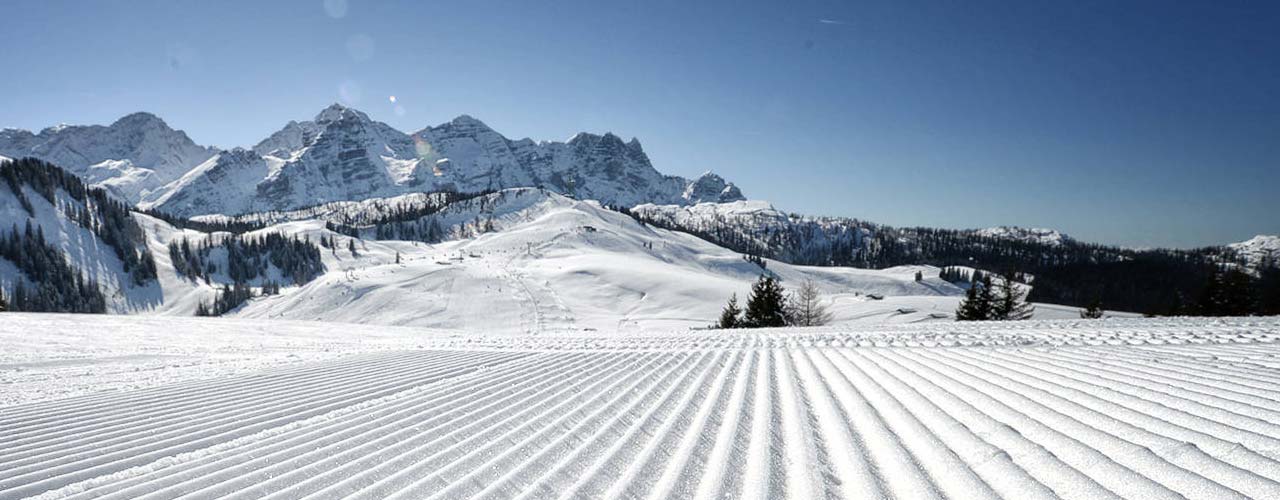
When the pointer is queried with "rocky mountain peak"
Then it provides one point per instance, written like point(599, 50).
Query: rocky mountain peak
point(140, 119)
point(710, 187)
point(337, 112)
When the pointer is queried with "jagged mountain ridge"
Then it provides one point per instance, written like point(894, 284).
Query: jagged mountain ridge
point(343, 155)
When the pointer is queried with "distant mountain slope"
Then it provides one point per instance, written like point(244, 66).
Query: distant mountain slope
point(133, 157)
point(67, 247)
point(535, 261)
point(1067, 271)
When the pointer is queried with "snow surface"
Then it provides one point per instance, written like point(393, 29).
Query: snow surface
point(1118, 408)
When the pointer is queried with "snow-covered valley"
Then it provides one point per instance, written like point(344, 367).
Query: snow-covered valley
point(203, 408)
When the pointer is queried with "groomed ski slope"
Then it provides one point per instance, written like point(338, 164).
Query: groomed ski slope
point(1131, 408)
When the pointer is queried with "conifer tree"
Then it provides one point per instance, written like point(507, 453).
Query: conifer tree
point(1093, 310)
point(730, 316)
point(1237, 294)
point(766, 305)
point(1269, 291)
point(978, 302)
point(1011, 304)
point(1210, 295)
point(805, 307)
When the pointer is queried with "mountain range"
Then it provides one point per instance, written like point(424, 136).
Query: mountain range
point(342, 154)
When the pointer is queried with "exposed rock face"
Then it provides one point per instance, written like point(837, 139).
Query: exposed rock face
point(711, 187)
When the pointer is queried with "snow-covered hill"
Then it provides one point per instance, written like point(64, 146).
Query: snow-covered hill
point(1259, 250)
point(1033, 235)
point(133, 157)
point(529, 260)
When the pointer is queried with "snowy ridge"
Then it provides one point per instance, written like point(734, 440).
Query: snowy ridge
point(133, 157)
point(1031, 235)
point(1259, 250)
point(1161, 408)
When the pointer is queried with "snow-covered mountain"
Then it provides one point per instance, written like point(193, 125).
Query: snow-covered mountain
point(1023, 234)
point(344, 155)
point(133, 157)
point(1259, 250)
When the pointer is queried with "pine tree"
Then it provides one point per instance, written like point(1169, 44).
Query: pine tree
point(351, 247)
point(1093, 310)
point(766, 305)
point(806, 308)
point(1210, 295)
point(1237, 294)
point(978, 303)
point(1011, 305)
point(919, 276)
point(731, 316)
point(1269, 291)
point(1227, 293)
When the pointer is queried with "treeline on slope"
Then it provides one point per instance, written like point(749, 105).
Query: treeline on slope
point(1170, 290)
point(108, 219)
point(247, 259)
point(232, 226)
point(55, 285)
point(1067, 272)
point(408, 220)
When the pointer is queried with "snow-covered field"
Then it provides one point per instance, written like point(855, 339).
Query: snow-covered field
point(201, 408)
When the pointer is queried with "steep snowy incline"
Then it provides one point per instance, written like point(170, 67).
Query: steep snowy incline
point(1145, 408)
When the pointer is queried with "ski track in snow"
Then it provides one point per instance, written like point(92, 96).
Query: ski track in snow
point(1134, 408)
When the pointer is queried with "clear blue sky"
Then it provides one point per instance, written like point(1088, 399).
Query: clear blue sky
point(1130, 122)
